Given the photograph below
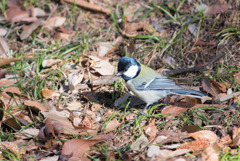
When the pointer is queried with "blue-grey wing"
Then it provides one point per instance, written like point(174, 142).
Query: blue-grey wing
point(163, 83)
point(159, 83)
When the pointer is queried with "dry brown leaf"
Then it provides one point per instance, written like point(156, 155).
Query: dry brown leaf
point(51, 158)
point(140, 143)
point(192, 100)
point(211, 87)
point(12, 123)
point(112, 125)
point(225, 140)
point(74, 78)
point(96, 107)
point(49, 94)
point(190, 128)
point(38, 12)
point(237, 77)
point(130, 29)
point(8, 61)
point(55, 22)
point(28, 31)
point(77, 147)
point(4, 48)
point(27, 133)
point(105, 80)
point(74, 106)
point(217, 8)
point(212, 152)
point(173, 110)
point(5, 82)
point(15, 14)
point(62, 36)
point(35, 105)
point(151, 130)
point(130, 117)
point(10, 146)
point(103, 66)
point(3, 31)
point(167, 154)
point(153, 150)
point(105, 48)
point(205, 134)
point(13, 90)
point(196, 145)
point(130, 11)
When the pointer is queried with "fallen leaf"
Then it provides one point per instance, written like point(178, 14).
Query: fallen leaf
point(3, 32)
point(74, 149)
point(35, 105)
point(4, 48)
point(27, 133)
point(61, 36)
point(130, 29)
point(105, 80)
point(12, 123)
point(151, 130)
point(167, 154)
point(55, 22)
point(50, 158)
point(74, 106)
point(212, 152)
point(190, 128)
point(10, 146)
point(217, 8)
point(112, 125)
point(28, 31)
point(38, 12)
point(153, 151)
point(74, 78)
point(49, 94)
point(105, 48)
point(140, 143)
point(8, 61)
point(130, 11)
point(205, 134)
point(104, 67)
point(193, 28)
point(18, 14)
point(196, 145)
point(178, 108)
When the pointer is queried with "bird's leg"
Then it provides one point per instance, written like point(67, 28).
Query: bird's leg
point(145, 108)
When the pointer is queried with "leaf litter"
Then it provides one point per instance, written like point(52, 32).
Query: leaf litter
point(59, 93)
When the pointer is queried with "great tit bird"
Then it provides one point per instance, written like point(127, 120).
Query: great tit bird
point(147, 84)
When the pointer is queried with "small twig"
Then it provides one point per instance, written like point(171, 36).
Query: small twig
point(194, 69)
point(90, 6)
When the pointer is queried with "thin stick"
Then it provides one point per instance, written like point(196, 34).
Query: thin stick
point(194, 69)
point(90, 6)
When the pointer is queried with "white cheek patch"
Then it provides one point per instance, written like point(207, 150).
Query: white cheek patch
point(132, 71)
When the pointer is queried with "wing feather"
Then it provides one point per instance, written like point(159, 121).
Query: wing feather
point(159, 83)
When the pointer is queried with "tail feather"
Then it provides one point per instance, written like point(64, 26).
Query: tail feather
point(188, 92)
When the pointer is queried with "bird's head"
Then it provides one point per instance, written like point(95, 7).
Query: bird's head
point(128, 68)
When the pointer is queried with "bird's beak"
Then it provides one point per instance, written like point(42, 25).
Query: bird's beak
point(118, 74)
